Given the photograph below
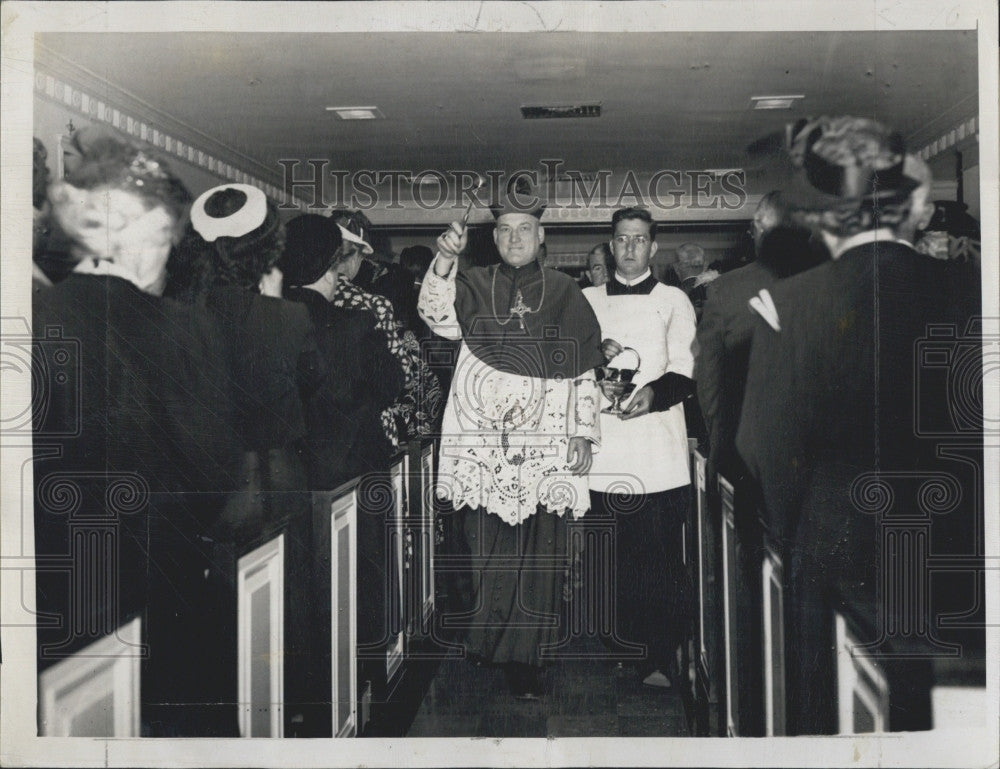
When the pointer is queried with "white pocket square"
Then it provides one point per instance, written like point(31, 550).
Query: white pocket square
point(763, 305)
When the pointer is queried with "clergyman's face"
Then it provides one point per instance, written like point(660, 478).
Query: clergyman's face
point(597, 267)
point(632, 247)
point(518, 237)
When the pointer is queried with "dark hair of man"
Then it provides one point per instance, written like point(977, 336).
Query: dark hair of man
point(634, 212)
point(774, 201)
point(416, 257)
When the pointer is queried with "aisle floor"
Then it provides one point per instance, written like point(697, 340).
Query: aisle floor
point(585, 698)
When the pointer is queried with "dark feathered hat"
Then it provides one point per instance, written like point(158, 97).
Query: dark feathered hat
point(311, 244)
point(847, 160)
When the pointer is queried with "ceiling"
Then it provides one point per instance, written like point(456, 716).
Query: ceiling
point(451, 100)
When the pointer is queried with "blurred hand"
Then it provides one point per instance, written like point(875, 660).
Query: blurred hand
point(579, 456)
point(610, 348)
point(453, 241)
point(640, 404)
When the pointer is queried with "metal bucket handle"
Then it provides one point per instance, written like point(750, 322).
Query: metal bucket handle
point(605, 369)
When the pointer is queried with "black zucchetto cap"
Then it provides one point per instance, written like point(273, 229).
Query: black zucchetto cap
point(522, 196)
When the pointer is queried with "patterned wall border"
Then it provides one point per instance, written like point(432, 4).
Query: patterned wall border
point(968, 129)
point(100, 110)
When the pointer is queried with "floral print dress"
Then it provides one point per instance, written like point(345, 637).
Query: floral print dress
point(418, 406)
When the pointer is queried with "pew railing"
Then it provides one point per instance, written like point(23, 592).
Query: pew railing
point(729, 591)
point(260, 624)
point(425, 528)
point(862, 686)
point(708, 671)
point(399, 478)
point(74, 693)
point(773, 624)
point(341, 510)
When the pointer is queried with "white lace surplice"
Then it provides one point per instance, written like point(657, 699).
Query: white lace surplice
point(504, 437)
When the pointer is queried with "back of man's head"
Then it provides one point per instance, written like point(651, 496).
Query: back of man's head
point(416, 260)
point(690, 260)
point(769, 214)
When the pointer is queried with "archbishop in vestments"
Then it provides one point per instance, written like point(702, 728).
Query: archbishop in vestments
point(517, 432)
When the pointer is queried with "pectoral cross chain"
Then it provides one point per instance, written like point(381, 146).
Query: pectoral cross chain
point(520, 309)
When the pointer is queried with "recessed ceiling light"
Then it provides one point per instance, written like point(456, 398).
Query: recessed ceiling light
point(546, 112)
point(357, 113)
point(775, 102)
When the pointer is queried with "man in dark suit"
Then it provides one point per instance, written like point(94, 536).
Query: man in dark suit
point(727, 322)
point(827, 424)
point(720, 371)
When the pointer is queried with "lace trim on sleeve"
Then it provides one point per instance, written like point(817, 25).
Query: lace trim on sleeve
point(436, 305)
point(586, 413)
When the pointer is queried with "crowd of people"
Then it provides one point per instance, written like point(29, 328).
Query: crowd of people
point(231, 363)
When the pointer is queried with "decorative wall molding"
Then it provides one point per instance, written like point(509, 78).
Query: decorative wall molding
point(968, 129)
point(72, 86)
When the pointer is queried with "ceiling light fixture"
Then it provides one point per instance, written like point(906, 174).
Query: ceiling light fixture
point(775, 102)
point(548, 112)
point(357, 113)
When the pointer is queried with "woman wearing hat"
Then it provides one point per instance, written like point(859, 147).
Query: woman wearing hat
point(415, 411)
point(229, 261)
point(136, 428)
point(232, 249)
point(345, 431)
point(836, 393)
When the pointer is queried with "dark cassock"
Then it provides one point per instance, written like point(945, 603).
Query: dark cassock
point(641, 477)
point(523, 386)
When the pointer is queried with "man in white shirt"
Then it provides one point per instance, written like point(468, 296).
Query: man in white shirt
point(641, 477)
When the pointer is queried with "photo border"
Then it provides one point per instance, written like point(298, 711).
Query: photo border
point(19, 746)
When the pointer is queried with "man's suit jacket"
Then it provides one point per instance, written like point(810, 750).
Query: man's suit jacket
point(831, 398)
point(720, 366)
point(725, 332)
